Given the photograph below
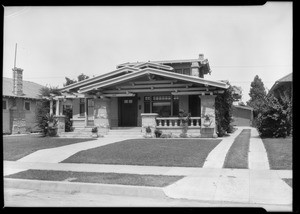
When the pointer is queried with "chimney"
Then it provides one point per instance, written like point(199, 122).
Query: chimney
point(17, 81)
point(201, 57)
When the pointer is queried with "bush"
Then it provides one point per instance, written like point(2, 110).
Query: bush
point(95, 130)
point(274, 119)
point(157, 133)
point(223, 111)
point(183, 135)
point(166, 136)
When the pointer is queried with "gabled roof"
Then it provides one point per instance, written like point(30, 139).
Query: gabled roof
point(147, 71)
point(153, 65)
point(102, 77)
point(283, 80)
point(204, 61)
point(30, 89)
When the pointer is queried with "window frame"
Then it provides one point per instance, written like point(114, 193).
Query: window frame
point(6, 104)
point(25, 105)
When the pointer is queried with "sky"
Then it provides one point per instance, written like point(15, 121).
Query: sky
point(238, 41)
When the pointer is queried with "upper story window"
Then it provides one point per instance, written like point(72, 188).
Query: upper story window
point(27, 105)
point(186, 71)
point(4, 104)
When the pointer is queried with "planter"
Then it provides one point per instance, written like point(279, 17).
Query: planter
point(206, 123)
point(52, 132)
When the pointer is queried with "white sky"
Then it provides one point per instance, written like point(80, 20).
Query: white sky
point(239, 41)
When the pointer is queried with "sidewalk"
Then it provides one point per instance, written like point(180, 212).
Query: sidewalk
point(231, 185)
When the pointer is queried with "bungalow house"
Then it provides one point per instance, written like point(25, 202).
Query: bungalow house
point(145, 94)
point(242, 115)
point(19, 100)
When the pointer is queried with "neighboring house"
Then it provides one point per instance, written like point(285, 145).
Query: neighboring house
point(145, 94)
point(19, 100)
point(242, 115)
point(282, 87)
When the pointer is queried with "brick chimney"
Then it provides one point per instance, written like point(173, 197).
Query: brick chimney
point(17, 81)
point(201, 57)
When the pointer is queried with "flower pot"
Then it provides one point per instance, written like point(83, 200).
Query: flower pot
point(206, 123)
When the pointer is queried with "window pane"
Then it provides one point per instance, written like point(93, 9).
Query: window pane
point(147, 107)
point(27, 106)
point(3, 104)
point(163, 109)
point(81, 109)
point(175, 106)
point(186, 71)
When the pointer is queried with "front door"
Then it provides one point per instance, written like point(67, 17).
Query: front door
point(128, 111)
point(90, 112)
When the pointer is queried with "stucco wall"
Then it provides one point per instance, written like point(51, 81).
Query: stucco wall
point(18, 118)
point(242, 117)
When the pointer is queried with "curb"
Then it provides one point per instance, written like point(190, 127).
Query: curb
point(72, 187)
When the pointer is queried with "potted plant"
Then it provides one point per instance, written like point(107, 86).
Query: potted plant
point(157, 133)
point(95, 132)
point(207, 121)
point(184, 118)
point(52, 125)
point(148, 131)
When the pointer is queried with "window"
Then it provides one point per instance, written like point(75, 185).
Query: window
point(4, 104)
point(81, 107)
point(147, 104)
point(90, 103)
point(175, 105)
point(27, 105)
point(186, 71)
point(162, 105)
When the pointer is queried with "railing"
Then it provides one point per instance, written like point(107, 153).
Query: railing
point(164, 122)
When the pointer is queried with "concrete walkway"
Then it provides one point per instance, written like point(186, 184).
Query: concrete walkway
point(58, 154)
point(257, 157)
point(216, 157)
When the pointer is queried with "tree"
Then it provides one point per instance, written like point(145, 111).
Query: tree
point(257, 95)
point(69, 81)
point(82, 77)
point(223, 111)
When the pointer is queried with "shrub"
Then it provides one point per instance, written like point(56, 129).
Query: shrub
point(95, 129)
point(68, 122)
point(183, 135)
point(157, 133)
point(223, 111)
point(274, 119)
point(148, 129)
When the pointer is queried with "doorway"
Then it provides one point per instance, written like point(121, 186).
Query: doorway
point(127, 111)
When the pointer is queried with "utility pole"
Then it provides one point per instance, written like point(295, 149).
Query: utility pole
point(15, 56)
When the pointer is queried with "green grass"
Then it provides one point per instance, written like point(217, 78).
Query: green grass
point(279, 152)
point(237, 156)
point(289, 181)
point(95, 177)
point(18, 147)
point(149, 152)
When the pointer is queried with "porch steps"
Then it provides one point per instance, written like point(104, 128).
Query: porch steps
point(125, 131)
point(81, 132)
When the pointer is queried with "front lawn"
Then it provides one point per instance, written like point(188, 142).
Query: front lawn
point(237, 156)
point(96, 177)
point(18, 147)
point(149, 152)
point(279, 152)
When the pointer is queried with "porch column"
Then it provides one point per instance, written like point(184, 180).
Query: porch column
point(102, 117)
point(51, 106)
point(57, 107)
point(85, 112)
point(208, 108)
point(149, 119)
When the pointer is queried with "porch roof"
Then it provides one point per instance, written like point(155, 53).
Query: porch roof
point(153, 71)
